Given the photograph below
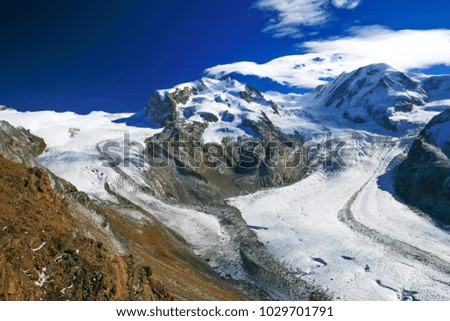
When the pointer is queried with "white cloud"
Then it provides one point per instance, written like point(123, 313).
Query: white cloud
point(404, 50)
point(289, 16)
point(346, 4)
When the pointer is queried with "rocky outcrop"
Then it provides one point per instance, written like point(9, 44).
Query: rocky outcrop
point(162, 106)
point(251, 94)
point(164, 110)
point(423, 179)
point(19, 144)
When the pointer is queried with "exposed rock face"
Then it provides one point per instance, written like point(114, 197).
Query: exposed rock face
point(368, 93)
point(19, 145)
point(251, 94)
point(423, 179)
point(57, 244)
point(164, 110)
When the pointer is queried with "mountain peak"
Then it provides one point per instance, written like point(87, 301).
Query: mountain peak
point(223, 105)
point(372, 92)
point(379, 67)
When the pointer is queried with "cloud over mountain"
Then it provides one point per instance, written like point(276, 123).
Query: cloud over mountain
point(325, 59)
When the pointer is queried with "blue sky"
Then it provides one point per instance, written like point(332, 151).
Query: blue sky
point(111, 55)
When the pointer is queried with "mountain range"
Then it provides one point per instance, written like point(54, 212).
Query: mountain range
point(216, 190)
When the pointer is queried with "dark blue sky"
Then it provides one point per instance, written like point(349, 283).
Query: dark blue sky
point(110, 55)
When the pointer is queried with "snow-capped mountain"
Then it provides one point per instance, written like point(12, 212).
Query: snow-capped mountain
point(229, 109)
point(374, 92)
point(226, 105)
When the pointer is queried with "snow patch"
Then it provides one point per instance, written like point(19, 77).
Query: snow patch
point(39, 247)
